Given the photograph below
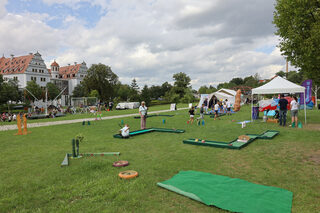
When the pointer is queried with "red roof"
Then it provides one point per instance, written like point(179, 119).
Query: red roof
point(69, 70)
point(55, 64)
point(16, 65)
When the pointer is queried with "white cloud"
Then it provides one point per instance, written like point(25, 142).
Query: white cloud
point(3, 11)
point(212, 41)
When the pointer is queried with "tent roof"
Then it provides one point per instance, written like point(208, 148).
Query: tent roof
point(227, 91)
point(222, 94)
point(278, 85)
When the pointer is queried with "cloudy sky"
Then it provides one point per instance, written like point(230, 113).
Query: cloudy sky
point(210, 40)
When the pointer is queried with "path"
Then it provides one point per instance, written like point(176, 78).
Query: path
point(51, 123)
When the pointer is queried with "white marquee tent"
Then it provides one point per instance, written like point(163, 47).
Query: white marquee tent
point(220, 94)
point(278, 86)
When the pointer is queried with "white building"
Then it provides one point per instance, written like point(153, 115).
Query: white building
point(32, 68)
point(74, 74)
point(25, 68)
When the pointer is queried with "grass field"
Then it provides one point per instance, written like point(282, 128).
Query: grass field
point(33, 181)
point(90, 115)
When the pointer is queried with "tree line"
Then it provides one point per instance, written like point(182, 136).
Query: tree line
point(103, 83)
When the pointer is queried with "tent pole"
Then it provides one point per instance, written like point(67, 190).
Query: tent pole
point(305, 108)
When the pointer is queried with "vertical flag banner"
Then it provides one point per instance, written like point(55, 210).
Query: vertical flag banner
point(308, 85)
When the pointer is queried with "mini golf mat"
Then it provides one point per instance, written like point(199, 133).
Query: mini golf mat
point(230, 194)
point(143, 131)
point(148, 116)
point(65, 161)
point(234, 144)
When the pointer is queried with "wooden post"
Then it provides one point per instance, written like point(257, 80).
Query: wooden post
point(19, 125)
point(25, 129)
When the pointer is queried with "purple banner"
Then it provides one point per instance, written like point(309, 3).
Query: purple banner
point(308, 85)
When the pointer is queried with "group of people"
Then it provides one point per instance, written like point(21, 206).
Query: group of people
point(143, 111)
point(8, 117)
point(219, 106)
point(294, 107)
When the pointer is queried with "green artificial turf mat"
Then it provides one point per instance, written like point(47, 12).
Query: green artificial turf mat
point(231, 194)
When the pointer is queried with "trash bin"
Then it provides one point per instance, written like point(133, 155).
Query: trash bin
point(255, 113)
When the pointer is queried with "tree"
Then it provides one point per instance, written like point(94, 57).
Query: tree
point(9, 91)
point(182, 81)
point(250, 81)
point(281, 74)
point(134, 85)
point(79, 91)
point(145, 95)
point(203, 90)
point(295, 77)
point(298, 25)
point(35, 89)
point(237, 81)
point(165, 87)
point(101, 78)
point(123, 92)
point(53, 91)
point(94, 93)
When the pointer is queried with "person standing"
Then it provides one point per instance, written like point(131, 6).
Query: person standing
point(205, 102)
point(191, 112)
point(143, 114)
point(110, 105)
point(283, 103)
point(294, 106)
point(216, 111)
point(228, 103)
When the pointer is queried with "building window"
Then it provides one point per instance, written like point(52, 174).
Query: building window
point(33, 78)
point(15, 78)
point(43, 79)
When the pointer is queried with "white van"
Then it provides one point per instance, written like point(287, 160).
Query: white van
point(128, 105)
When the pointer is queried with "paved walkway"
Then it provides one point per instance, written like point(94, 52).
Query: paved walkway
point(51, 123)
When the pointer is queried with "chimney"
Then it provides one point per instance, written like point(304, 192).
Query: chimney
point(69, 64)
point(12, 56)
point(75, 63)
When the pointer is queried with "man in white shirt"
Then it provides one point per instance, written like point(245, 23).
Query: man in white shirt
point(125, 131)
point(143, 114)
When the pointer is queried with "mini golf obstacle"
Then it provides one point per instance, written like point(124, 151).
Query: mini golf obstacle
point(129, 174)
point(143, 131)
point(156, 115)
point(232, 194)
point(120, 163)
point(237, 143)
point(76, 155)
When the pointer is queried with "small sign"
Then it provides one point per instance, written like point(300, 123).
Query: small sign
point(173, 107)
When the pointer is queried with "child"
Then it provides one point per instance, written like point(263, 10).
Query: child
point(201, 113)
point(228, 107)
point(224, 103)
point(125, 131)
point(216, 111)
point(191, 112)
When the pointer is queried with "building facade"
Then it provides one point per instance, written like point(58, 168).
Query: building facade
point(25, 68)
point(32, 68)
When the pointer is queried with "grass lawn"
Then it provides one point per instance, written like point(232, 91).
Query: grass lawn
point(33, 181)
point(104, 113)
